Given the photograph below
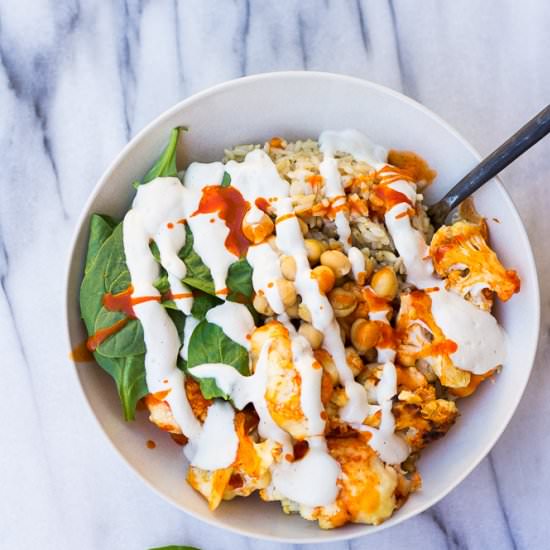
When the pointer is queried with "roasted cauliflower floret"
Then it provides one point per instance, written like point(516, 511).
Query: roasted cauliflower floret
point(460, 254)
point(413, 165)
point(422, 418)
point(249, 472)
point(423, 340)
point(161, 414)
point(283, 388)
point(369, 490)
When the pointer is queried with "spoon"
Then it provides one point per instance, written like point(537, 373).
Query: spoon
point(489, 167)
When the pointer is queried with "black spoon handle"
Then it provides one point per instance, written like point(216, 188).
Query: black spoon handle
point(499, 159)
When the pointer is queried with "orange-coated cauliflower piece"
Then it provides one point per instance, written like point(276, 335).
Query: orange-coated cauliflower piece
point(249, 472)
point(422, 339)
point(369, 492)
point(460, 254)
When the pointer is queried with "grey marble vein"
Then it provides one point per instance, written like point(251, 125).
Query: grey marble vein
point(79, 78)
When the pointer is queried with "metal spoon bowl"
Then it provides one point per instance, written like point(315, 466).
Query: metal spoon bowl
point(489, 167)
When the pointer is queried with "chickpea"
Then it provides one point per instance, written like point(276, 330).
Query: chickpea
point(303, 225)
point(304, 313)
point(354, 362)
point(337, 261)
point(272, 242)
point(384, 283)
point(364, 335)
point(288, 267)
point(292, 311)
point(311, 334)
point(261, 305)
point(344, 332)
point(343, 301)
point(314, 250)
point(361, 311)
point(328, 365)
point(257, 232)
point(287, 291)
point(325, 277)
point(369, 267)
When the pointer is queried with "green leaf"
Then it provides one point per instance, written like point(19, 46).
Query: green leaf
point(166, 164)
point(162, 284)
point(175, 548)
point(178, 318)
point(129, 375)
point(122, 354)
point(101, 228)
point(209, 344)
point(226, 180)
point(239, 281)
point(202, 302)
point(198, 275)
point(155, 250)
point(239, 277)
point(127, 341)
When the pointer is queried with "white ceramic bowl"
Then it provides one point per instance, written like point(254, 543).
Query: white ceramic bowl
point(299, 105)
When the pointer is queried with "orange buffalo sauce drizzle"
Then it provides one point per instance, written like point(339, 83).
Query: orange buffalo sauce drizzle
point(103, 333)
point(285, 217)
point(262, 204)
point(122, 302)
point(231, 207)
point(390, 197)
point(176, 296)
point(81, 354)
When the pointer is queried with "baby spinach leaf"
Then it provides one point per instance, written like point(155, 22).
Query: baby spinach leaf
point(239, 277)
point(198, 275)
point(209, 344)
point(166, 164)
point(202, 302)
point(129, 375)
point(122, 354)
point(178, 318)
point(127, 341)
point(226, 180)
point(239, 281)
point(101, 228)
point(108, 273)
point(162, 284)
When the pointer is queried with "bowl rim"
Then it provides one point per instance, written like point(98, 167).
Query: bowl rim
point(530, 265)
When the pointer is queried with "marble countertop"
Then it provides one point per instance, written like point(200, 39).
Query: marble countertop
point(79, 79)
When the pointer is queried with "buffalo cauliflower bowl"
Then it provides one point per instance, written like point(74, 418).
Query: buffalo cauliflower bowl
point(275, 302)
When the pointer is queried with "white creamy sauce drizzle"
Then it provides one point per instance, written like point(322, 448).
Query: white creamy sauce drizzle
point(391, 448)
point(481, 341)
point(156, 204)
point(188, 328)
point(355, 143)
point(257, 177)
point(312, 480)
point(157, 214)
point(161, 202)
point(266, 271)
point(310, 387)
point(217, 444)
point(209, 237)
point(291, 242)
point(248, 389)
point(235, 320)
point(183, 298)
point(357, 261)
